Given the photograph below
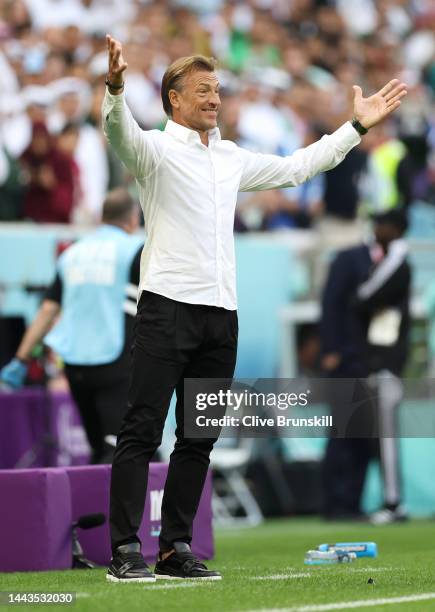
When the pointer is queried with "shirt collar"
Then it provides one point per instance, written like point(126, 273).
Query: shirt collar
point(187, 135)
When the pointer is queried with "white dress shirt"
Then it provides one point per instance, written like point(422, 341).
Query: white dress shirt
point(188, 194)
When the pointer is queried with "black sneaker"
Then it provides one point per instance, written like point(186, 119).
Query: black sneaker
point(183, 565)
point(128, 565)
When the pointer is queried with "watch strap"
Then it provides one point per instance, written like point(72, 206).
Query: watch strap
point(112, 86)
point(359, 128)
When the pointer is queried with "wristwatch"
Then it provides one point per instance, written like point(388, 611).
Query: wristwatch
point(359, 128)
point(109, 84)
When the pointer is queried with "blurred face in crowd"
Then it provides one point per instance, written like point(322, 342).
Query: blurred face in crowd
point(296, 61)
point(40, 143)
point(36, 113)
point(72, 37)
point(69, 105)
point(67, 141)
point(16, 14)
point(196, 104)
point(54, 67)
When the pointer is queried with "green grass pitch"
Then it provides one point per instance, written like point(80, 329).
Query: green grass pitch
point(263, 569)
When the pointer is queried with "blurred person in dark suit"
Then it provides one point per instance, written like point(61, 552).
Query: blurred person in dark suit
point(364, 333)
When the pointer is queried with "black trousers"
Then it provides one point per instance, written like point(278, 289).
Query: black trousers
point(99, 393)
point(173, 340)
point(346, 460)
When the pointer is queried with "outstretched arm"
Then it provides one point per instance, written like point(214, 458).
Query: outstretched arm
point(135, 147)
point(271, 171)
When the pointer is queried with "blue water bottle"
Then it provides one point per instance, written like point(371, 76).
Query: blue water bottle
point(361, 549)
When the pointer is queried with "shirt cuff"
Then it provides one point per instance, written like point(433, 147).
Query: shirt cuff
point(112, 101)
point(346, 137)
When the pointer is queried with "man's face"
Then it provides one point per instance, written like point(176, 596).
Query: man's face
point(69, 105)
point(197, 104)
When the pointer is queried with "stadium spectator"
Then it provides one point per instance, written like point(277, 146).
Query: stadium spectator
point(302, 56)
point(386, 152)
point(66, 141)
point(339, 226)
point(49, 196)
point(74, 100)
point(415, 179)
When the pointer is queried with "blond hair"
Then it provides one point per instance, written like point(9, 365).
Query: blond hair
point(173, 77)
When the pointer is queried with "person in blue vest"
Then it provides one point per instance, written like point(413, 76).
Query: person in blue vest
point(94, 293)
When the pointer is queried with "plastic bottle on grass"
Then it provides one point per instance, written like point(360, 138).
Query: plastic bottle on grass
point(328, 557)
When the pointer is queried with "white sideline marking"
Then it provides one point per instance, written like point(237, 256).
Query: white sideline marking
point(362, 603)
point(154, 587)
point(179, 585)
point(356, 570)
point(282, 576)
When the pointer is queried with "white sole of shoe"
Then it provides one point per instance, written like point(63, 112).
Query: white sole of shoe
point(111, 578)
point(168, 577)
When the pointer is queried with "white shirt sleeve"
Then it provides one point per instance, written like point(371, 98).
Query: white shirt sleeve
point(135, 147)
point(272, 171)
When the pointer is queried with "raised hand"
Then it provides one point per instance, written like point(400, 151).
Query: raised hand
point(117, 64)
point(370, 111)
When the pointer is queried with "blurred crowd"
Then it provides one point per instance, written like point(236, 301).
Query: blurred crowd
point(286, 68)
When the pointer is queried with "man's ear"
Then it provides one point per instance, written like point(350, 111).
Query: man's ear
point(174, 98)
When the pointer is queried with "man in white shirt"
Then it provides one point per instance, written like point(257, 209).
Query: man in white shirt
point(186, 326)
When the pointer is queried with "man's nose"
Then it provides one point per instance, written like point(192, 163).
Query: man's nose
point(215, 99)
